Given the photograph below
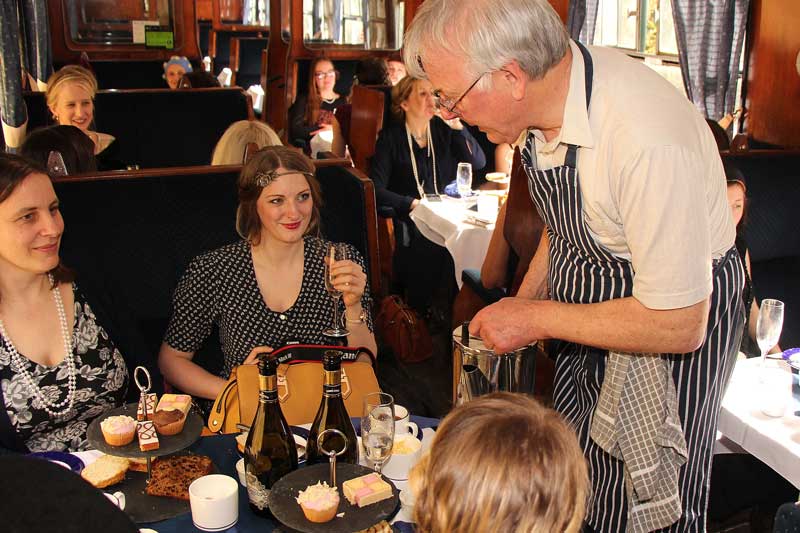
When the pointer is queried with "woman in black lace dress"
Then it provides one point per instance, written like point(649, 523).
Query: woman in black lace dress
point(269, 288)
point(60, 366)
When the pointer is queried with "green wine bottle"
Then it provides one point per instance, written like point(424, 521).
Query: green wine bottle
point(270, 452)
point(332, 415)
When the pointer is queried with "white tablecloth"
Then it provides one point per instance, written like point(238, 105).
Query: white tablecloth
point(774, 441)
point(444, 223)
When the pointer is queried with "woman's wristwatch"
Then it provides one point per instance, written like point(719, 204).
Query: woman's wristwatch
point(362, 317)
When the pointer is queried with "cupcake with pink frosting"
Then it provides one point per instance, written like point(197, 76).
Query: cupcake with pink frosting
point(319, 502)
point(118, 430)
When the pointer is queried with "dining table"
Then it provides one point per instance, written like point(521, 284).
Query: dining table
point(223, 453)
point(743, 427)
point(455, 224)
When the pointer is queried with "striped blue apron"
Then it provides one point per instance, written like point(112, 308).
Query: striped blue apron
point(582, 271)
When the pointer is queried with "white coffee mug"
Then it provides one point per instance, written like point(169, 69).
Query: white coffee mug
point(214, 500)
point(405, 454)
point(402, 422)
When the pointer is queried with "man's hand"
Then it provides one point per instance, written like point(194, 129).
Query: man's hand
point(508, 324)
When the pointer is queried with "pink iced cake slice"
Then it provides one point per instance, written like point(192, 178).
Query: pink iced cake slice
point(179, 402)
point(366, 490)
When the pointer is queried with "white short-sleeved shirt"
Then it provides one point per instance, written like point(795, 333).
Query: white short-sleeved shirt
point(652, 181)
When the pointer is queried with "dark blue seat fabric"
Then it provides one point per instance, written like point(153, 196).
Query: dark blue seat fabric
point(773, 192)
point(159, 128)
point(787, 519)
point(249, 72)
point(472, 278)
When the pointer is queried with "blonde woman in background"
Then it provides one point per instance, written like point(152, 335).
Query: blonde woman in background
point(502, 463)
point(70, 98)
point(231, 146)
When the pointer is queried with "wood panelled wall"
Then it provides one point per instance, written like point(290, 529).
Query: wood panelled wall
point(773, 84)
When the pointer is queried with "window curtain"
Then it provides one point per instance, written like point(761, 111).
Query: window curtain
point(582, 19)
point(26, 52)
point(710, 37)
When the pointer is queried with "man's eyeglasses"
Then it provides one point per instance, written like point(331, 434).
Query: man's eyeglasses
point(322, 75)
point(449, 104)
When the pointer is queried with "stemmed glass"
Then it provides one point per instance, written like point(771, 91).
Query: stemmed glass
point(377, 428)
point(769, 325)
point(337, 251)
point(464, 179)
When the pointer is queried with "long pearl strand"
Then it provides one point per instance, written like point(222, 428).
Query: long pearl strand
point(52, 408)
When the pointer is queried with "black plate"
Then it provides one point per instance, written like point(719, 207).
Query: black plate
point(167, 443)
point(285, 508)
point(143, 508)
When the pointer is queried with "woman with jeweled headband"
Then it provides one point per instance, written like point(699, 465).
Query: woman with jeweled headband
point(269, 288)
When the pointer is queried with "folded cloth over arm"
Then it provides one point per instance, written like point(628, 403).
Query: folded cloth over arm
point(637, 421)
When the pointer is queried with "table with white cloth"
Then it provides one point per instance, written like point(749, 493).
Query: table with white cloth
point(445, 223)
point(774, 441)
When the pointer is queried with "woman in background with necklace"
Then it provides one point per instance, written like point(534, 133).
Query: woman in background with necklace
point(416, 155)
point(59, 367)
point(313, 113)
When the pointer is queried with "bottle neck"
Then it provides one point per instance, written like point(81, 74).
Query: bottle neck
point(268, 388)
point(332, 383)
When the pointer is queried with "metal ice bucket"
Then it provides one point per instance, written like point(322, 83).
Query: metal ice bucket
point(478, 370)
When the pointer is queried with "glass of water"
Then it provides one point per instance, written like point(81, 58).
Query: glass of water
point(464, 179)
point(769, 325)
point(377, 428)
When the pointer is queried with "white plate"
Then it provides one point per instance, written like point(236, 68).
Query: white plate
point(299, 441)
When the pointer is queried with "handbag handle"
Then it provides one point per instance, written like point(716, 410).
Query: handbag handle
point(216, 419)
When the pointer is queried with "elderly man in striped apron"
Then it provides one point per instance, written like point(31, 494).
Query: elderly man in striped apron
point(636, 274)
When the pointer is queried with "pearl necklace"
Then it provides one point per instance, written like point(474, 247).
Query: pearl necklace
point(54, 409)
point(329, 100)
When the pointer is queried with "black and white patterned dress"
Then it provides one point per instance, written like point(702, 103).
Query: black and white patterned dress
point(101, 384)
point(220, 288)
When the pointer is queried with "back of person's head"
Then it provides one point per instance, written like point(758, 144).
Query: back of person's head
point(69, 74)
point(198, 79)
point(373, 71)
point(501, 463)
point(74, 146)
point(527, 31)
point(230, 149)
point(47, 497)
point(401, 93)
point(263, 168)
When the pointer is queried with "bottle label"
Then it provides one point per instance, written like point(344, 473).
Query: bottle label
point(267, 388)
point(257, 492)
point(332, 383)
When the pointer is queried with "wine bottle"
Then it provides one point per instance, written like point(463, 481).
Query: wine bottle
point(270, 452)
point(332, 415)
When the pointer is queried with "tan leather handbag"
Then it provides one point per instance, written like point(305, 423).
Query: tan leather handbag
point(299, 387)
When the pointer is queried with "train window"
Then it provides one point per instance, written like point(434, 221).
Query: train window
point(244, 13)
point(643, 28)
point(373, 24)
point(120, 22)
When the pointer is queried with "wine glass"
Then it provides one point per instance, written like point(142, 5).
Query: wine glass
point(337, 251)
point(377, 428)
point(769, 325)
point(464, 179)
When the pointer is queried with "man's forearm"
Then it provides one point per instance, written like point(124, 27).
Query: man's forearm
point(623, 325)
point(534, 286)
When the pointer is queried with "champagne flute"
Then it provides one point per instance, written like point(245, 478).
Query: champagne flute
point(377, 428)
point(464, 179)
point(337, 251)
point(769, 325)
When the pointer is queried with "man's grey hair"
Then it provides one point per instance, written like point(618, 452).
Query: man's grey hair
point(487, 34)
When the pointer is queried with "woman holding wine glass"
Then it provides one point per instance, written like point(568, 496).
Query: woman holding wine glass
point(269, 288)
